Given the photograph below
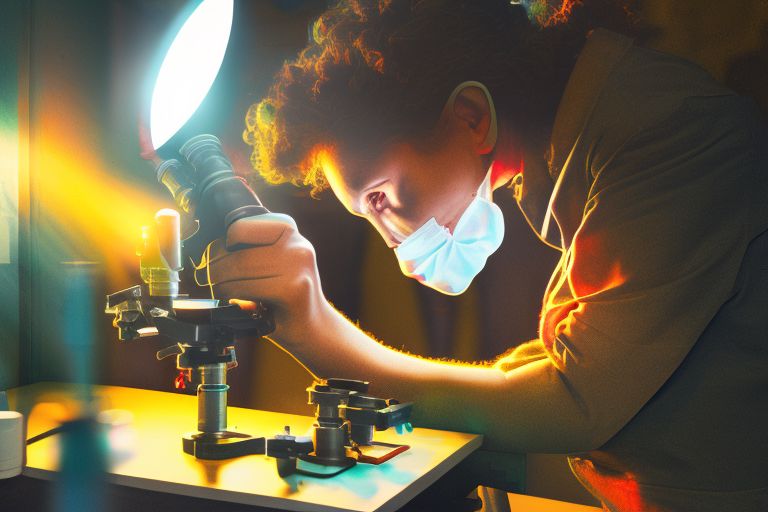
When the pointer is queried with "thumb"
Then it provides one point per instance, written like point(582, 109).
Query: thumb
point(259, 230)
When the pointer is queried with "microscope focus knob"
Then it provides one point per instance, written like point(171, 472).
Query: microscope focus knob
point(358, 386)
point(173, 350)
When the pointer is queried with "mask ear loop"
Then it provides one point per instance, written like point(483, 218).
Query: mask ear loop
point(204, 264)
point(490, 138)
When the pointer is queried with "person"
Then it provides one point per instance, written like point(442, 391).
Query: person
point(651, 364)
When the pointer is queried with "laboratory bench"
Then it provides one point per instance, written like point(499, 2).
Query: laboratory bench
point(149, 471)
point(151, 468)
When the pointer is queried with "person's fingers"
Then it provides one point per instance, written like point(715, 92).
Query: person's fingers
point(271, 290)
point(272, 263)
point(260, 230)
point(245, 305)
point(255, 263)
point(290, 256)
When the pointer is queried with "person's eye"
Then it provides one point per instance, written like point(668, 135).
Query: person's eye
point(377, 201)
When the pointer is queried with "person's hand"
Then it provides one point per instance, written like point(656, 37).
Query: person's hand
point(266, 259)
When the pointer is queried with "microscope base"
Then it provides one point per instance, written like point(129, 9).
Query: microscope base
point(222, 445)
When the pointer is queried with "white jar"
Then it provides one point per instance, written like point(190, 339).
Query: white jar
point(11, 443)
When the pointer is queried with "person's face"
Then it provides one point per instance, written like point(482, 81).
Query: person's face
point(407, 186)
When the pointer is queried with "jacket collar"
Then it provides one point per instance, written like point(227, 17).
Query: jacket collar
point(536, 190)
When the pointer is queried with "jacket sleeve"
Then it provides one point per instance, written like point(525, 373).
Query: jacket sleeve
point(655, 256)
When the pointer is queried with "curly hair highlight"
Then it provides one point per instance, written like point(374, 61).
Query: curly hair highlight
point(379, 71)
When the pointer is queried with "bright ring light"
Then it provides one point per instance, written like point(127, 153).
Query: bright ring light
point(189, 68)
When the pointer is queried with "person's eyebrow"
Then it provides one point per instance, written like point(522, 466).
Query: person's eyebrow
point(357, 182)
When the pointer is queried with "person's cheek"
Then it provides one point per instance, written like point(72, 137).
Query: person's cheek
point(390, 238)
point(416, 206)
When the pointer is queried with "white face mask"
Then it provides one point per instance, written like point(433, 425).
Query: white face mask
point(449, 261)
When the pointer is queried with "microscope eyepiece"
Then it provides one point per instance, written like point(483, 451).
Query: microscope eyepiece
point(176, 179)
point(208, 188)
point(205, 154)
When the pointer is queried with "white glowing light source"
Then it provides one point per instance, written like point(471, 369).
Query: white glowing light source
point(189, 68)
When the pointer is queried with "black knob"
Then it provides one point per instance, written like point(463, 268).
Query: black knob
point(173, 350)
point(359, 386)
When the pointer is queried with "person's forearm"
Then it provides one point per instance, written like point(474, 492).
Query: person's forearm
point(528, 409)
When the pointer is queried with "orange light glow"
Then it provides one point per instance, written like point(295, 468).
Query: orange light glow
point(321, 166)
point(89, 208)
point(619, 492)
point(590, 279)
point(323, 159)
point(551, 319)
point(547, 15)
point(373, 58)
point(578, 278)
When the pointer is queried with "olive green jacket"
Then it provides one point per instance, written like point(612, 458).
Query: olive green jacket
point(656, 317)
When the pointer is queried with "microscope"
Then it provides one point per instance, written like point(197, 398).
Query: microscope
point(203, 329)
point(209, 198)
point(207, 192)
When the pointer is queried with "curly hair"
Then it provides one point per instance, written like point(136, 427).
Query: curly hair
point(379, 71)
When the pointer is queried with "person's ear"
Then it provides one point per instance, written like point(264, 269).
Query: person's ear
point(471, 103)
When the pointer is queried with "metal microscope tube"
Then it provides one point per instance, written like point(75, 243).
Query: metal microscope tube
point(212, 398)
point(362, 434)
point(330, 443)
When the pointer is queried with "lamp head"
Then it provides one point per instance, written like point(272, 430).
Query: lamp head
point(189, 69)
